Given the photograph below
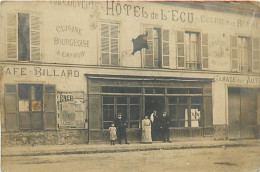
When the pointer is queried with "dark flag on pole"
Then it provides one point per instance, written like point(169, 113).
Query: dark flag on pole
point(139, 43)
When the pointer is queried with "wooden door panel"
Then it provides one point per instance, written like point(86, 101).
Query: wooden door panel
point(234, 113)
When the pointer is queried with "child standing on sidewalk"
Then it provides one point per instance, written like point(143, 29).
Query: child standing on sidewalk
point(112, 131)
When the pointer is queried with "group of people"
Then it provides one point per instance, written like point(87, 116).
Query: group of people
point(155, 128)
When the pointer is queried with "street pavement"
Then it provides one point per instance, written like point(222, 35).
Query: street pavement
point(217, 159)
point(40, 150)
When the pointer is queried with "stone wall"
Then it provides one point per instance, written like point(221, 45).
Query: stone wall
point(220, 132)
point(57, 137)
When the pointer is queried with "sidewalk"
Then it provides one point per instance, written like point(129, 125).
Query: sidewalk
point(39, 150)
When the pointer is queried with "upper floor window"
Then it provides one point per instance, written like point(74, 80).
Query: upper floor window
point(23, 37)
point(245, 54)
point(109, 44)
point(192, 50)
point(157, 54)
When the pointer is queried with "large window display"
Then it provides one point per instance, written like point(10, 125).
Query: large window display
point(129, 106)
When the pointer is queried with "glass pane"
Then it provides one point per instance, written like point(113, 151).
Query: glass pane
point(123, 110)
point(134, 112)
point(173, 113)
point(159, 91)
point(105, 89)
point(172, 100)
point(195, 90)
point(196, 100)
point(121, 100)
point(108, 100)
point(23, 91)
point(134, 100)
point(108, 112)
point(183, 100)
point(148, 91)
point(36, 92)
point(195, 116)
point(177, 91)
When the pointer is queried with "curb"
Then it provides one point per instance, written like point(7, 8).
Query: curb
point(129, 150)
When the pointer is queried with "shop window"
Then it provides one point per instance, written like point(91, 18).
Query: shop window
point(157, 54)
point(185, 111)
point(109, 44)
point(23, 37)
point(192, 50)
point(245, 55)
point(129, 106)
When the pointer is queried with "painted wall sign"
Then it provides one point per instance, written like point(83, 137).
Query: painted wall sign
point(238, 79)
point(38, 72)
point(70, 36)
point(71, 111)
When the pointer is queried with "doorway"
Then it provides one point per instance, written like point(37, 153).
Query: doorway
point(242, 109)
point(154, 103)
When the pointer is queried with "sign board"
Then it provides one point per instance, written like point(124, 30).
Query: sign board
point(71, 109)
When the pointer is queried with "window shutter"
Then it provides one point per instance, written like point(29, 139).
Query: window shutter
point(105, 44)
point(180, 49)
point(35, 36)
point(114, 44)
point(234, 54)
point(149, 57)
point(12, 36)
point(166, 52)
point(50, 121)
point(204, 49)
point(256, 55)
point(11, 111)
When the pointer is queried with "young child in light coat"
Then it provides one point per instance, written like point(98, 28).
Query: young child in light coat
point(112, 131)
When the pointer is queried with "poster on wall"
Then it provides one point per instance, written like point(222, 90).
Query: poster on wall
point(71, 109)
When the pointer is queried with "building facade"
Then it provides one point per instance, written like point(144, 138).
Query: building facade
point(68, 68)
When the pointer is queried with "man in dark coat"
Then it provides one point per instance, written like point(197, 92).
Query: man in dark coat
point(165, 125)
point(120, 125)
point(155, 126)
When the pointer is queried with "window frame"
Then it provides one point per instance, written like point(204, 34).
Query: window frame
point(31, 44)
point(128, 105)
point(109, 23)
point(162, 55)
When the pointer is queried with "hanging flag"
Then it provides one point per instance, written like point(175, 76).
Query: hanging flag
point(139, 43)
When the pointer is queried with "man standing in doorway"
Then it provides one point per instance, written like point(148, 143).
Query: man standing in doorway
point(165, 124)
point(155, 125)
point(120, 125)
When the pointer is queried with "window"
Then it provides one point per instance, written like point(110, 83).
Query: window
point(185, 111)
point(157, 55)
point(245, 55)
point(109, 44)
point(30, 107)
point(129, 106)
point(23, 37)
point(192, 53)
